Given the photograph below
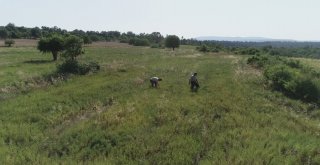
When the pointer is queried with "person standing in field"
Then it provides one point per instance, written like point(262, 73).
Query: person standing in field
point(193, 82)
point(155, 81)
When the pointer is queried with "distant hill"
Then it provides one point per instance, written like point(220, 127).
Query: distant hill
point(241, 39)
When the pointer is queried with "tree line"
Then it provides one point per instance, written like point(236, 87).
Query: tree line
point(10, 31)
point(154, 39)
point(275, 48)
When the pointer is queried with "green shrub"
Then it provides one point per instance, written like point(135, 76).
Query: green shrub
point(261, 61)
point(9, 42)
point(293, 83)
point(293, 63)
point(123, 39)
point(215, 50)
point(203, 48)
point(156, 46)
point(249, 51)
point(280, 75)
point(307, 89)
point(74, 67)
point(139, 42)
point(86, 40)
point(210, 48)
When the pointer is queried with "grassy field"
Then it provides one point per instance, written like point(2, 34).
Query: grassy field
point(114, 117)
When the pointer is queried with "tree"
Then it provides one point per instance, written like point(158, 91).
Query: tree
point(73, 47)
point(155, 37)
point(110, 35)
point(86, 39)
point(11, 27)
point(35, 32)
point(3, 33)
point(130, 34)
point(78, 32)
point(172, 41)
point(12, 30)
point(53, 44)
point(9, 42)
point(22, 32)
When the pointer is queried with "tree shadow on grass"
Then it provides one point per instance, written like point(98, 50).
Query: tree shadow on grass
point(38, 61)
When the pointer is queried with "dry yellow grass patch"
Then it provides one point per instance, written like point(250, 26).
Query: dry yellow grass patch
point(242, 70)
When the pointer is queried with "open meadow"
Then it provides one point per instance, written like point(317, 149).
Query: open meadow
point(115, 117)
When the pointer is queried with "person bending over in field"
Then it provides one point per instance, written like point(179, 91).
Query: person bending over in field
point(193, 82)
point(155, 81)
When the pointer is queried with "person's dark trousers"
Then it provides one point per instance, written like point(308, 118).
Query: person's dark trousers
point(153, 83)
point(193, 85)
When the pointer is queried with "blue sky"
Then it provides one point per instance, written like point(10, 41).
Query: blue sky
point(282, 19)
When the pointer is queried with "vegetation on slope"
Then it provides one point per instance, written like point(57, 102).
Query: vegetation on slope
point(290, 77)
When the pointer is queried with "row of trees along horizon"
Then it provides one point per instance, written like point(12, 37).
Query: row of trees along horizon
point(157, 40)
point(10, 31)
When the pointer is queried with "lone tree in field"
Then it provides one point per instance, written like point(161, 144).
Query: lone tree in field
point(53, 44)
point(9, 42)
point(172, 41)
point(73, 47)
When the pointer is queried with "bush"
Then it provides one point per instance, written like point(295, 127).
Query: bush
point(215, 50)
point(261, 61)
point(203, 48)
point(210, 48)
point(86, 40)
point(124, 39)
point(280, 75)
point(139, 42)
point(74, 67)
point(95, 38)
point(156, 46)
point(293, 83)
point(293, 63)
point(9, 42)
point(306, 89)
point(249, 51)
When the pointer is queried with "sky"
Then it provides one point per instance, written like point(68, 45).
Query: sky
point(278, 19)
